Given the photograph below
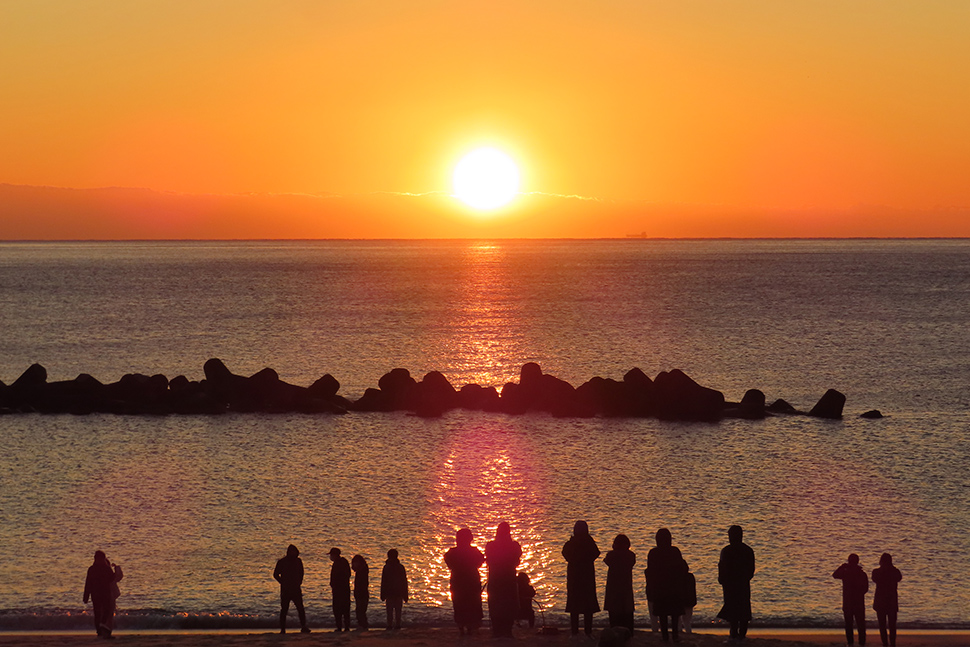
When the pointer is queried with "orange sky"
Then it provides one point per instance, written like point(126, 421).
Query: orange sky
point(681, 118)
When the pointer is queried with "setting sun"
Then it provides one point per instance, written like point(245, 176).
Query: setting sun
point(486, 178)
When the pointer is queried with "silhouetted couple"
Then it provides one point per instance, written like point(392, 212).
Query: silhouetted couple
point(855, 585)
point(101, 587)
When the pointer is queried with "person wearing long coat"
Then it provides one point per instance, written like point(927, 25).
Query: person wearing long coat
point(340, 588)
point(734, 572)
point(361, 590)
point(581, 552)
point(97, 588)
point(502, 557)
point(885, 602)
point(394, 588)
point(619, 583)
point(464, 562)
point(665, 573)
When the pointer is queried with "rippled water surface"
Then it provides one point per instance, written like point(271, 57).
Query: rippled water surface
point(197, 509)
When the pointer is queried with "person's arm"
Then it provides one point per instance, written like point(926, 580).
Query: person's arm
point(87, 587)
point(839, 572)
point(119, 575)
point(277, 575)
point(404, 581)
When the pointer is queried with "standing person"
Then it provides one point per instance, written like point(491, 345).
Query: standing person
point(689, 595)
point(665, 571)
point(619, 583)
point(581, 552)
point(289, 573)
point(502, 556)
point(464, 562)
point(361, 590)
point(886, 600)
point(527, 594)
point(109, 613)
point(734, 572)
point(97, 588)
point(394, 588)
point(340, 587)
point(855, 584)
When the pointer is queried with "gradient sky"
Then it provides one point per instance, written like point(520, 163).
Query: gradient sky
point(682, 118)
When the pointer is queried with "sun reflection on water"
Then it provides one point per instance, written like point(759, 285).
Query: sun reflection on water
point(486, 477)
point(488, 345)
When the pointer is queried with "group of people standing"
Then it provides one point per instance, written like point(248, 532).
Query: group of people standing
point(394, 588)
point(855, 585)
point(670, 586)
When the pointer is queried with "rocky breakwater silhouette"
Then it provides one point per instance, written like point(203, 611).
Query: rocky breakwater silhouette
point(671, 395)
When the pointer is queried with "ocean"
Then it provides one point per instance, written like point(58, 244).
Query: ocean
point(196, 509)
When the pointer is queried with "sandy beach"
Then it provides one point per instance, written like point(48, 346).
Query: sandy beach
point(421, 637)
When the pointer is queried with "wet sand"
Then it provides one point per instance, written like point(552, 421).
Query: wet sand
point(448, 637)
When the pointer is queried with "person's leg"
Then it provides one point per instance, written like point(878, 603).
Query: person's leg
point(588, 624)
point(398, 607)
point(742, 629)
point(847, 618)
point(284, 609)
point(892, 628)
point(97, 613)
point(574, 623)
point(390, 614)
point(685, 619)
point(654, 620)
point(300, 611)
point(663, 627)
point(883, 634)
point(733, 634)
point(675, 621)
point(860, 618)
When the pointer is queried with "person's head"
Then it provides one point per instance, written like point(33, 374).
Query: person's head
point(392, 554)
point(580, 529)
point(100, 557)
point(292, 551)
point(735, 534)
point(358, 562)
point(334, 554)
point(886, 559)
point(504, 531)
point(463, 537)
point(664, 540)
point(853, 559)
point(523, 578)
point(621, 542)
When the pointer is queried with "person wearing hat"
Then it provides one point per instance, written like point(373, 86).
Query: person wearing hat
point(340, 587)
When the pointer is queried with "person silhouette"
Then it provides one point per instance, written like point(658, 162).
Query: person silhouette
point(394, 588)
point(885, 602)
point(855, 584)
point(340, 588)
point(619, 583)
point(361, 592)
point(526, 593)
point(97, 588)
point(735, 568)
point(502, 556)
point(689, 593)
point(665, 573)
point(289, 573)
point(580, 552)
point(464, 562)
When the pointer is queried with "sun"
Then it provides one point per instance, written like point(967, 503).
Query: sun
point(486, 178)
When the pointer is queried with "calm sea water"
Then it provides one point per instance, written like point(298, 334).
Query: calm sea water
point(197, 509)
